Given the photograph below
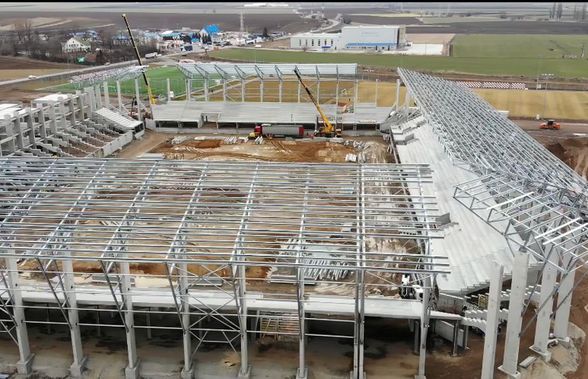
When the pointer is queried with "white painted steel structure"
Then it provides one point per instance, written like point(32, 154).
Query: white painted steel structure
point(202, 228)
point(518, 188)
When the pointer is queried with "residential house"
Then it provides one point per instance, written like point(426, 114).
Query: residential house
point(74, 44)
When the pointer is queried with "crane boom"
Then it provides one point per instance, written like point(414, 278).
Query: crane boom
point(328, 128)
point(151, 99)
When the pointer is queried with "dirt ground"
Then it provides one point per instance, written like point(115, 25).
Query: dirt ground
point(273, 150)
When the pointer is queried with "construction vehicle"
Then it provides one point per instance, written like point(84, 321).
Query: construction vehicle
point(327, 129)
point(269, 130)
point(550, 124)
point(151, 98)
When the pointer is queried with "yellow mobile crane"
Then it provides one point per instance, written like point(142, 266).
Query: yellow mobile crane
point(151, 98)
point(328, 130)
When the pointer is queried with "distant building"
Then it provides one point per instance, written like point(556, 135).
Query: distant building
point(74, 44)
point(121, 39)
point(213, 31)
point(364, 37)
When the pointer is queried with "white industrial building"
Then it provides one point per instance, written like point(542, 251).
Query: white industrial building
point(363, 37)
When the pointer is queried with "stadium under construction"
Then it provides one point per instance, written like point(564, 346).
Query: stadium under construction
point(229, 253)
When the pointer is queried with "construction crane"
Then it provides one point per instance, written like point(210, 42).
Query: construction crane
point(328, 130)
point(151, 98)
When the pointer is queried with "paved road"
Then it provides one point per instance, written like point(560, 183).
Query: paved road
point(568, 129)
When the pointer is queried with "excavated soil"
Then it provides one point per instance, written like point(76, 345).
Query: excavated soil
point(572, 151)
point(271, 151)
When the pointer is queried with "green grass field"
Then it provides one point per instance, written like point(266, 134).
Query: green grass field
point(157, 78)
point(517, 55)
point(518, 45)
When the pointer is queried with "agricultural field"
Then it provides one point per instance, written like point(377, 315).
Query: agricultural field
point(469, 59)
point(18, 67)
point(519, 46)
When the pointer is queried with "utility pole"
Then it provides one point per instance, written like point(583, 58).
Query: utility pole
point(583, 11)
point(559, 10)
point(552, 13)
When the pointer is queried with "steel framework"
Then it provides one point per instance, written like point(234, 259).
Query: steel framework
point(542, 200)
point(201, 230)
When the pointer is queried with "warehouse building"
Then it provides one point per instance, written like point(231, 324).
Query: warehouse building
point(363, 37)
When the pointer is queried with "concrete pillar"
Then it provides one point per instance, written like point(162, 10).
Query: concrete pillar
point(132, 369)
point(261, 91)
point(79, 360)
point(30, 126)
point(564, 302)
point(18, 130)
point(189, 90)
point(106, 95)
point(72, 110)
point(299, 91)
point(543, 325)
point(25, 362)
point(138, 97)
point(119, 96)
point(168, 88)
point(515, 316)
point(82, 103)
point(224, 89)
point(489, 357)
point(53, 120)
point(43, 127)
point(98, 97)
point(280, 87)
point(376, 97)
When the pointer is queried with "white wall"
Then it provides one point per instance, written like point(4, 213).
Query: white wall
point(353, 37)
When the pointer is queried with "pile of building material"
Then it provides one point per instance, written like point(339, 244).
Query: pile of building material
point(312, 256)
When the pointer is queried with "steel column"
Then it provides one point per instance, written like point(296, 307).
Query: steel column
point(242, 90)
point(138, 97)
point(397, 104)
point(106, 95)
point(206, 89)
point(119, 96)
point(564, 302)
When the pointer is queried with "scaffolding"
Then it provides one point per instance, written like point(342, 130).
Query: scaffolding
point(75, 231)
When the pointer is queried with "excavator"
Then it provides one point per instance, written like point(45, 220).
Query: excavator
point(327, 129)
